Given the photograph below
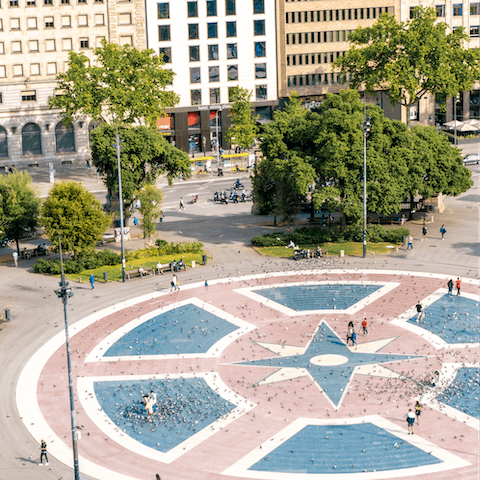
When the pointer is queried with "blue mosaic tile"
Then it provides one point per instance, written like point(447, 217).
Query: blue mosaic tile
point(464, 392)
point(454, 319)
point(184, 407)
point(186, 329)
point(335, 449)
point(318, 297)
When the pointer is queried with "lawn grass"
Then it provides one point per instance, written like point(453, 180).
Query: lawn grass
point(350, 248)
point(115, 271)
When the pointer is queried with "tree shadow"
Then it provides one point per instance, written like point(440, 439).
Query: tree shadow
point(468, 248)
point(470, 198)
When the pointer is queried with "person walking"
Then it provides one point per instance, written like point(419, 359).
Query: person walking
point(420, 312)
point(410, 242)
point(418, 411)
point(174, 284)
point(459, 284)
point(182, 206)
point(92, 281)
point(425, 233)
point(43, 449)
point(364, 327)
point(450, 287)
point(443, 231)
point(410, 421)
point(15, 259)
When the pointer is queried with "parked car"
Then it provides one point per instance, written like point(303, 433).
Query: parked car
point(471, 159)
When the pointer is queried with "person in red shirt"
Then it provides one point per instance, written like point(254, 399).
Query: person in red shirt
point(459, 284)
point(364, 327)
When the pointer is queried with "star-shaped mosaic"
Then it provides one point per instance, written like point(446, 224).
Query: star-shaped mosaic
point(328, 361)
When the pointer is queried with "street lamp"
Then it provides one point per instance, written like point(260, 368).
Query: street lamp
point(455, 99)
point(365, 129)
point(218, 142)
point(64, 293)
point(120, 199)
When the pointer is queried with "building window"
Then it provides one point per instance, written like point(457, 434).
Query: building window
point(49, 22)
point(232, 51)
point(126, 40)
point(260, 70)
point(194, 53)
point(65, 2)
point(230, 7)
point(31, 139)
point(99, 19)
point(81, 1)
point(51, 68)
point(192, 9)
point(457, 10)
point(29, 96)
point(50, 45)
point(66, 44)
point(440, 10)
point(31, 3)
point(261, 92)
point(213, 74)
point(3, 140)
point(214, 95)
point(83, 20)
point(474, 8)
point(258, 6)
point(164, 33)
point(14, 3)
point(474, 31)
point(259, 27)
point(15, 24)
point(211, 8)
point(167, 54)
point(193, 31)
point(196, 97)
point(17, 46)
point(232, 72)
point(231, 29)
point(163, 10)
point(66, 21)
point(195, 75)
point(47, 2)
point(260, 49)
point(3, 71)
point(125, 19)
point(231, 94)
point(84, 43)
point(64, 138)
point(33, 45)
point(35, 69)
point(32, 23)
point(212, 30)
point(99, 40)
point(212, 52)
point(2, 48)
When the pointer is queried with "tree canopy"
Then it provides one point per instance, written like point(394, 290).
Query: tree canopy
point(74, 214)
point(150, 207)
point(412, 58)
point(122, 84)
point(400, 162)
point(244, 129)
point(144, 155)
point(19, 206)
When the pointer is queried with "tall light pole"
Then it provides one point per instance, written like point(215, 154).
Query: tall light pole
point(365, 129)
point(455, 98)
point(120, 200)
point(64, 293)
point(218, 141)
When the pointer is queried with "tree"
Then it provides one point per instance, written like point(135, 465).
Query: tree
point(74, 214)
point(144, 155)
point(244, 129)
point(151, 207)
point(410, 59)
point(122, 84)
point(19, 206)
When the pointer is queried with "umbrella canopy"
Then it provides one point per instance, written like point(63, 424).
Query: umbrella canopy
point(466, 128)
point(453, 124)
point(472, 121)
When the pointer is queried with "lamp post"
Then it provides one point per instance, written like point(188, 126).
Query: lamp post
point(64, 293)
point(455, 99)
point(218, 142)
point(120, 200)
point(365, 129)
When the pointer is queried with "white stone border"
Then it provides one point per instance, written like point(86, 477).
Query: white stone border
point(437, 342)
point(353, 309)
point(97, 354)
point(107, 426)
point(241, 468)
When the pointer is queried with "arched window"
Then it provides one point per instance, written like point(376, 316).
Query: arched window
point(64, 138)
point(31, 139)
point(3, 143)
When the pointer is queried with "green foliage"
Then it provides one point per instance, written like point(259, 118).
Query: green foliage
point(74, 214)
point(315, 236)
point(151, 207)
point(144, 155)
point(244, 129)
point(19, 206)
point(165, 248)
point(122, 84)
point(410, 59)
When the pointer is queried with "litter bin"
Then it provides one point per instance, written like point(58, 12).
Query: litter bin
point(204, 259)
point(105, 277)
point(404, 238)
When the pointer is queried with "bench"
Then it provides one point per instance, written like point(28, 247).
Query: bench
point(67, 162)
point(136, 272)
point(164, 268)
point(33, 164)
point(312, 254)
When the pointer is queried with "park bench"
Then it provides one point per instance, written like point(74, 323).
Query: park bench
point(136, 272)
point(164, 268)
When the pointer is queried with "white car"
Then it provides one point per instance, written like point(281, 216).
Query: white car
point(471, 159)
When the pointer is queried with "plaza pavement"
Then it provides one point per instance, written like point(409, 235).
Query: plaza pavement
point(38, 314)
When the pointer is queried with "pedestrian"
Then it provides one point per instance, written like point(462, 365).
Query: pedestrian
point(350, 325)
point(15, 259)
point(450, 287)
point(135, 221)
point(410, 242)
point(459, 284)
point(364, 327)
point(354, 338)
point(43, 449)
point(403, 220)
point(410, 421)
point(420, 312)
point(425, 232)
point(443, 231)
point(182, 206)
point(92, 281)
point(174, 284)
point(418, 411)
